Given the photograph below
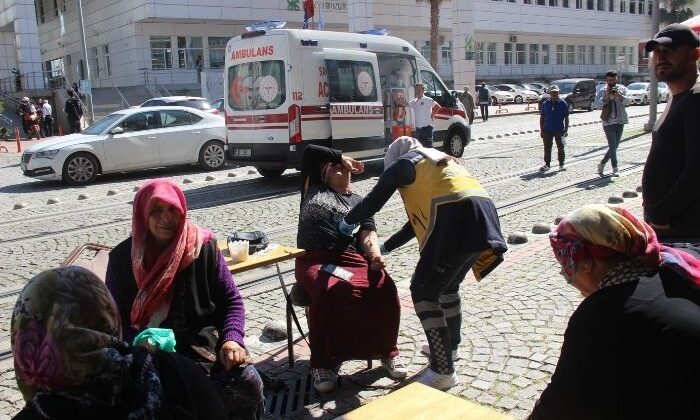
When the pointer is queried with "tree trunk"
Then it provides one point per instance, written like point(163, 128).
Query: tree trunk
point(434, 33)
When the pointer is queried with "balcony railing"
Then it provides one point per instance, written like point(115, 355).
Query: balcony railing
point(33, 80)
point(554, 70)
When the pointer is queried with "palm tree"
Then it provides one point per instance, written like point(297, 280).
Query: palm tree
point(434, 30)
point(674, 11)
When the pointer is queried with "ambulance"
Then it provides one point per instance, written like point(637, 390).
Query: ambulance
point(288, 88)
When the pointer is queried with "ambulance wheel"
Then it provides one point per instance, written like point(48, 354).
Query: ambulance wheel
point(270, 173)
point(454, 143)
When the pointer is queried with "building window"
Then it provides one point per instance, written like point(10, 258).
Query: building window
point(601, 5)
point(612, 55)
point(560, 54)
point(545, 54)
point(217, 51)
point(520, 54)
point(581, 54)
point(527, 1)
point(611, 5)
point(570, 54)
point(507, 54)
point(69, 62)
point(630, 55)
point(479, 53)
point(591, 54)
point(161, 53)
point(579, 4)
point(554, 3)
point(424, 49)
point(108, 63)
point(446, 53)
point(189, 50)
point(534, 54)
point(95, 56)
point(590, 5)
point(40, 11)
point(633, 6)
point(650, 8)
point(640, 8)
point(603, 55)
point(491, 53)
point(565, 3)
point(55, 7)
point(623, 6)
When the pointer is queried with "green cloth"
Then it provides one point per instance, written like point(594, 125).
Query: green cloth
point(160, 338)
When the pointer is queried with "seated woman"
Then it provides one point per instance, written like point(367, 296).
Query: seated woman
point(70, 362)
point(630, 350)
point(170, 274)
point(354, 311)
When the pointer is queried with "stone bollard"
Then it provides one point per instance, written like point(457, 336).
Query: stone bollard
point(210, 178)
point(517, 238)
point(83, 196)
point(20, 205)
point(558, 220)
point(252, 172)
point(615, 200)
point(630, 194)
point(541, 228)
point(136, 188)
point(275, 331)
point(187, 181)
point(52, 200)
point(639, 188)
point(112, 192)
point(232, 175)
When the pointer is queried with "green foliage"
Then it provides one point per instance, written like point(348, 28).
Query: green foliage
point(2, 107)
point(675, 11)
point(4, 133)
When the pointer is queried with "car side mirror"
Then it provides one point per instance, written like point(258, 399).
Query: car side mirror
point(116, 130)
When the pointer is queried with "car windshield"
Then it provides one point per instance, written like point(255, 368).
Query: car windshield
point(102, 125)
point(195, 103)
point(637, 86)
point(565, 87)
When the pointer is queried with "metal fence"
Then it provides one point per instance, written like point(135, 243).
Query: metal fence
point(33, 80)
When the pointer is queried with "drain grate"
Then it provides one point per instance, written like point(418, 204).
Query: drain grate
point(298, 393)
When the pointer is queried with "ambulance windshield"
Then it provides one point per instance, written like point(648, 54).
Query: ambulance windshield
point(256, 85)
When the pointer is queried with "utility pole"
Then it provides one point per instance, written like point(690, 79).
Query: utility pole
point(654, 83)
point(88, 94)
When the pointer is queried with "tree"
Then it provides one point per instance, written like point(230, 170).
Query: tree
point(435, 28)
point(675, 11)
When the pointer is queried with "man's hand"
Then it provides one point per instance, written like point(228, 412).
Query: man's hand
point(353, 166)
point(232, 355)
point(377, 263)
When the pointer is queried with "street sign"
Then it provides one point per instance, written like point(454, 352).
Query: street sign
point(620, 59)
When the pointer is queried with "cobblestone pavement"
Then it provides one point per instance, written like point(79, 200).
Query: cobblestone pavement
point(513, 320)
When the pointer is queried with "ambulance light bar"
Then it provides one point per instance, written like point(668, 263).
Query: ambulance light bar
point(376, 31)
point(265, 25)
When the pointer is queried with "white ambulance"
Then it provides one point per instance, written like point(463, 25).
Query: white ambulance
point(289, 88)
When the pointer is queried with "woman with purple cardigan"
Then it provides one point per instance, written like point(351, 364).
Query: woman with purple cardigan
point(170, 274)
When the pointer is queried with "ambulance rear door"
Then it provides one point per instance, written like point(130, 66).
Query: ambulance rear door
point(356, 111)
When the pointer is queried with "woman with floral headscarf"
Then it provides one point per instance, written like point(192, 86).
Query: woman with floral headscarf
point(631, 348)
point(354, 311)
point(70, 362)
point(170, 274)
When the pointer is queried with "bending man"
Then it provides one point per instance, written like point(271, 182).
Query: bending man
point(457, 228)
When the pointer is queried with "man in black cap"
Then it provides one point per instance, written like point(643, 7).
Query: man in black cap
point(671, 180)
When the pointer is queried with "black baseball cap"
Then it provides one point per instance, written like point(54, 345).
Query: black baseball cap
point(673, 36)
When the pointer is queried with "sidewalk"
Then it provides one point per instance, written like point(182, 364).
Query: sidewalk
point(11, 145)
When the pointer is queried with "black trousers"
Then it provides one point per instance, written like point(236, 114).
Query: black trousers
point(548, 138)
point(484, 111)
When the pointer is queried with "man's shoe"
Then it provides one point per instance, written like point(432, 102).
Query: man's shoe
point(615, 172)
point(601, 168)
point(396, 369)
point(544, 168)
point(425, 349)
point(324, 379)
point(437, 380)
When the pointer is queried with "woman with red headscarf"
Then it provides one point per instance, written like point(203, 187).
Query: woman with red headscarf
point(354, 311)
point(630, 350)
point(170, 274)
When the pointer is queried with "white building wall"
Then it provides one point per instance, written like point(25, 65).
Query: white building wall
point(18, 18)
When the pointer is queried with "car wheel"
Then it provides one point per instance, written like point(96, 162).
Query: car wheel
point(454, 145)
point(212, 155)
point(270, 173)
point(518, 99)
point(80, 169)
point(494, 101)
point(591, 106)
point(570, 107)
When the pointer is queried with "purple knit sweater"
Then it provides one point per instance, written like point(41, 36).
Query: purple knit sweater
point(229, 314)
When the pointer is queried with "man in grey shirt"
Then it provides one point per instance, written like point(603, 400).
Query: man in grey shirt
point(614, 118)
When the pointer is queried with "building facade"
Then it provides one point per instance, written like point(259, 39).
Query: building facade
point(170, 42)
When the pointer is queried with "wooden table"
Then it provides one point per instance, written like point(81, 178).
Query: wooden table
point(264, 258)
point(420, 402)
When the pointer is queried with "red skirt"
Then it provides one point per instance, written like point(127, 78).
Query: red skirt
point(349, 320)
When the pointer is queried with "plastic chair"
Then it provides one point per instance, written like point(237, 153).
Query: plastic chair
point(92, 256)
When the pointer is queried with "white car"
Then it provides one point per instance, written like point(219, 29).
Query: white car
point(664, 92)
point(500, 97)
point(521, 95)
point(131, 139)
point(639, 92)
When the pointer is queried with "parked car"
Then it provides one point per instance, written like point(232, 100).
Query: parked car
point(541, 85)
point(639, 92)
point(620, 88)
point(531, 86)
point(500, 97)
point(578, 93)
point(519, 94)
point(664, 92)
point(195, 102)
point(131, 139)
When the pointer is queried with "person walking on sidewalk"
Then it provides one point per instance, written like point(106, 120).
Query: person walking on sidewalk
point(484, 101)
point(468, 101)
point(457, 227)
point(48, 118)
point(672, 171)
point(74, 111)
point(423, 109)
point(614, 117)
point(554, 124)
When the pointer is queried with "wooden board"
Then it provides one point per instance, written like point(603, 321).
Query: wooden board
point(420, 402)
point(279, 254)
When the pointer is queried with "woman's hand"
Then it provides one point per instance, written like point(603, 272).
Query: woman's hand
point(353, 166)
point(377, 263)
point(232, 355)
point(145, 344)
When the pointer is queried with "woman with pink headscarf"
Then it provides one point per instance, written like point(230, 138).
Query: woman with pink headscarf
point(170, 274)
point(630, 350)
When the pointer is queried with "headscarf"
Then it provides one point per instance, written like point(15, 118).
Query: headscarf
point(598, 231)
point(405, 144)
point(154, 271)
point(64, 337)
